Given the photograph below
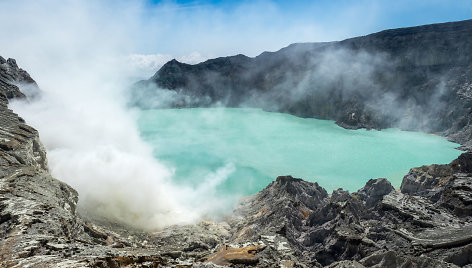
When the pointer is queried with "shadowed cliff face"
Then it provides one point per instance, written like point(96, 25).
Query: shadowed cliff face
point(415, 78)
point(10, 77)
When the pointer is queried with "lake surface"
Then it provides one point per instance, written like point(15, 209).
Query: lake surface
point(240, 151)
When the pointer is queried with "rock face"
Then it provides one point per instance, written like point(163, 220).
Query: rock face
point(377, 226)
point(10, 77)
point(395, 78)
point(39, 226)
point(37, 212)
point(448, 185)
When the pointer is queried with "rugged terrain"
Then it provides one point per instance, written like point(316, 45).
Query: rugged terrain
point(395, 78)
point(39, 226)
point(290, 223)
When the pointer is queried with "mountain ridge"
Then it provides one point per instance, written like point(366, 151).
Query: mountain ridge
point(399, 78)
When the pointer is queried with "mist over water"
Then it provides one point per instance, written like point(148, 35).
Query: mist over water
point(249, 148)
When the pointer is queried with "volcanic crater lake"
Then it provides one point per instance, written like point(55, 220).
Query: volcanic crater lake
point(239, 151)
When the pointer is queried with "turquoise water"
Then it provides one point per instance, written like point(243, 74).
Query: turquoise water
point(240, 151)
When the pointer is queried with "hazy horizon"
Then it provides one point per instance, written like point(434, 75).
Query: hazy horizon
point(147, 33)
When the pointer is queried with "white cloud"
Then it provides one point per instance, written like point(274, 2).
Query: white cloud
point(142, 66)
point(192, 58)
point(75, 51)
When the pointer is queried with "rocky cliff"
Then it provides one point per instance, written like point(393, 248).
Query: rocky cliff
point(415, 78)
point(39, 226)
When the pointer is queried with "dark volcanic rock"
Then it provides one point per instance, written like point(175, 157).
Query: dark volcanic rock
point(373, 192)
point(281, 208)
point(11, 76)
point(447, 185)
point(417, 78)
point(374, 227)
point(392, 259)
point(463, 163)
point(457, 195)
point(425, 180)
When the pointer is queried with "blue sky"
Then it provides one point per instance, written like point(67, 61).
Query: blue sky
point(191, 31)
point(267, 25)
point(391, 14)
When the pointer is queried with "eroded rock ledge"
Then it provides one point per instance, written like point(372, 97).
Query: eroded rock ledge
point(290, 223)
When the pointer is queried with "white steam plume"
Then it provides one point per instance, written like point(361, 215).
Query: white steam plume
point(76, 55)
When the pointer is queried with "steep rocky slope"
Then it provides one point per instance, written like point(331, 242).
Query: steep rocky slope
point(417, 78)
point(39, 226)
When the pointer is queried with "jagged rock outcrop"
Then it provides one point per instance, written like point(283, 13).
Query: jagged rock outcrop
point(448, 185)
point(37, 212)
point(377, 226)
point(395, 78)
point(11, 76)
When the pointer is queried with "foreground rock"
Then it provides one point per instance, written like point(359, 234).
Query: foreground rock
point(417, 78)
point(294, 223)
point(376, 226)
point(290, 223)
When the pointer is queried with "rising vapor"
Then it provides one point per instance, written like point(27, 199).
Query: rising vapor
point(91, 137)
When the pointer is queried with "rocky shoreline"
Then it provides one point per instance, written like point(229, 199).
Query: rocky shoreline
point(290, 223)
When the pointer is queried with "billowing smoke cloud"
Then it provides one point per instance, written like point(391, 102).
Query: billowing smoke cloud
point(77, 52)
point(94, 145)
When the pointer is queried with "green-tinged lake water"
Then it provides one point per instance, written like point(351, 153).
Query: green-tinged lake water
point(240, 151)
